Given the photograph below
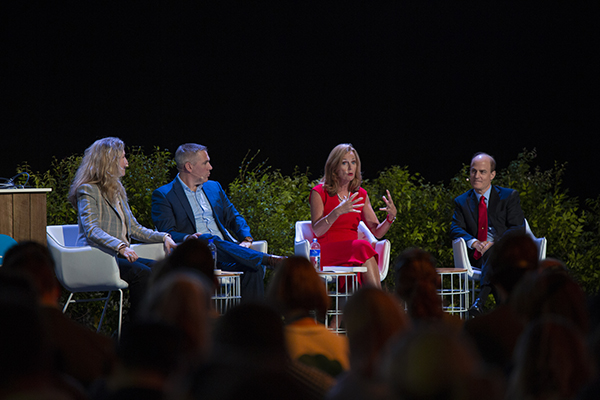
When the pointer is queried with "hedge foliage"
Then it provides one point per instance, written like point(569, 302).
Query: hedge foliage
point(272, 202)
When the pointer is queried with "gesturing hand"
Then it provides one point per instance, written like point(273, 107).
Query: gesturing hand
point(351, 204)
point(390, 207)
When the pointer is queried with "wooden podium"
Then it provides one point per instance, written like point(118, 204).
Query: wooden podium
point(23, 214)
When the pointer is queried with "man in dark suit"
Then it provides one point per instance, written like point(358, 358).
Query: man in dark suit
point(500, 211)
point(193, 207)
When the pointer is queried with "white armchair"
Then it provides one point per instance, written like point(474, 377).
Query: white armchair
point(260, 245)
point(541, 243)
point(87, 269)
point(305, 235)
point(461, 257)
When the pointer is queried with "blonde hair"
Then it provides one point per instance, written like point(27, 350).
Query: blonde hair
point(100, 166)
point(330, 179)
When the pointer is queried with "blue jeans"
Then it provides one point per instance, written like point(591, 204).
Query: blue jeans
point(233, 257)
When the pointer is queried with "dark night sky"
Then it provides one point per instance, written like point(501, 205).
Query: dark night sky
point(422, 84)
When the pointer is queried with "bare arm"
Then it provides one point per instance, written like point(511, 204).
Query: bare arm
point(370, 219)
point(320, 222)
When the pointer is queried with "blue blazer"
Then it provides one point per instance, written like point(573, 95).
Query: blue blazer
point(504, 213)
point(172, 213)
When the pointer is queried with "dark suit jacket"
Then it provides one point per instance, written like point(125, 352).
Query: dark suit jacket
point(504, 213)
point(172, 213)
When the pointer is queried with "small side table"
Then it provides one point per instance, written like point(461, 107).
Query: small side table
point(454, 291)
point(229, 293)
point(336, 277)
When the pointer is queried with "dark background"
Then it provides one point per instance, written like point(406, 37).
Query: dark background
point(421, 84)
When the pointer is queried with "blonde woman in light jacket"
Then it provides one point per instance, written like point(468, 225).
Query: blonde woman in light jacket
point(104, 217)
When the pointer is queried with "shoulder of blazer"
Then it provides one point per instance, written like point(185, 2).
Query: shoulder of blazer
point(167, 188)
point(91, 189)
point(463, 197)
point(503, 192)
point(212, 185)
point(213, 189)
point(88, 187)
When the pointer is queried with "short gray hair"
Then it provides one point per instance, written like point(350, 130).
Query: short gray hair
point(187, 153)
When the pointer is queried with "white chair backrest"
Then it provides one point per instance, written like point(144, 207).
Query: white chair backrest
point(304, 231)
point(65, 235)
point(461, 258)
point(541, 243)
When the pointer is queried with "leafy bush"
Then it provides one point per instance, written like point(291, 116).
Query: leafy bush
point(272, 202)
point(59, 178)
point(146, 173)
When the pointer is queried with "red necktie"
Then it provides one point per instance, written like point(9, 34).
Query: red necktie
point(482, 228)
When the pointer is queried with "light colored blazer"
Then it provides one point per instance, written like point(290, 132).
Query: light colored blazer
point(100, 224)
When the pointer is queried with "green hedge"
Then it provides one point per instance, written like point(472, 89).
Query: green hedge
point(272, 202)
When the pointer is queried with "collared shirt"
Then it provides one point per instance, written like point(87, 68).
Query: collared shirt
point(203, 213)
point(491, 230)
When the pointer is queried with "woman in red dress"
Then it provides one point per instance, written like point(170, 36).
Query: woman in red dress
point(337, 205)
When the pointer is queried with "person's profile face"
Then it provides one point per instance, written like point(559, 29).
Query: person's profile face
point(122, 164)
point(201, 168)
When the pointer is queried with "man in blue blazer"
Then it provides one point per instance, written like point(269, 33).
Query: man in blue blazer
point(504, 215)
point(191, 206)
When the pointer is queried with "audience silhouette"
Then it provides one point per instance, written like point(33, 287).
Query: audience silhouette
point(296, 290)
point(540, 342)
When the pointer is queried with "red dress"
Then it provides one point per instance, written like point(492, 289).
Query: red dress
point(340, 245)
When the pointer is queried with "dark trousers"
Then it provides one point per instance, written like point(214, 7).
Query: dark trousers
point(485, 285)
point(233, 257)
point(136, 274)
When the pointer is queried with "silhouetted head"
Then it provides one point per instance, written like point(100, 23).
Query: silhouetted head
point(417, 282)
point(251, 330)
point(151, 346)
point(23, 345)
point(35, 261)
point(551, 292)
point(431, 362)
point(551, 361)
point(513, 256)
point(191, 254)
point(372, 318)
point(297, 287)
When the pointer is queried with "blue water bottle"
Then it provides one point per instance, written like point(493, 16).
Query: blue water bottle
point(315, 254)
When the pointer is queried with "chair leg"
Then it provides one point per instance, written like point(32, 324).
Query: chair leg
point(120, 314)
point(67, 303)
point(104, 311)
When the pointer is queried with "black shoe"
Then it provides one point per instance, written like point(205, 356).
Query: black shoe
point(476, 309)
point(275, 261)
